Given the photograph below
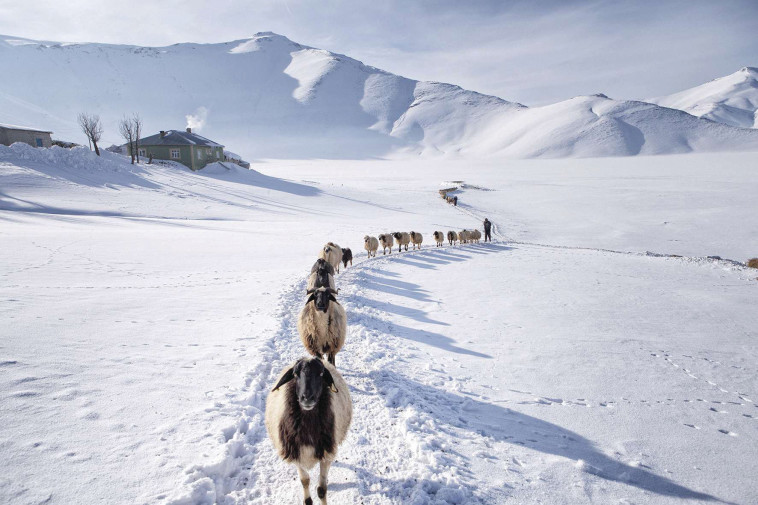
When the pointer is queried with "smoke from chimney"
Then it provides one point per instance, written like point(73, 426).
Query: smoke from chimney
point(197, 120)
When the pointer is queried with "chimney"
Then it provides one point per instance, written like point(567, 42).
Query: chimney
point(163, 133)
point(189, 130)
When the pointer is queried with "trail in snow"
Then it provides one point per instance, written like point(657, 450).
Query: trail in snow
point(400, 447)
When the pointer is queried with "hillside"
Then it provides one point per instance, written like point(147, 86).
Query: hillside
point(731, 100)
point(269, 97)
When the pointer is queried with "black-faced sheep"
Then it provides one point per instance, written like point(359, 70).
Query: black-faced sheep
point(452, 237)
point(403, 239)
point(387, 242)
point(439, 238)
point(308, 414)
point(416, 238)
point(322, 275)
point(463, 236)
point(370, 244)
point(332, 253)
point(475, 235)
point(347, 255)
point(322, 324)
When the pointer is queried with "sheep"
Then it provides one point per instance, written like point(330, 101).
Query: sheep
point(333, 254)
point(475, 235)
point(416, 238)
point(752, 263)
point(387, 242)
point(370, 244)
point(452, 237)
point(322, 275)
point(347, 255)
point(439, 238)
point(403, 239)
point(308, 415)
point(463, 236)
point(322, 325)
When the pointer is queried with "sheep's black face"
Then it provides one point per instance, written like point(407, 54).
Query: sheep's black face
point(310, 380)
point(321, 299)
point(396, 235)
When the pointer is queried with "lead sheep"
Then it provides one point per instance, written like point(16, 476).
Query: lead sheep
point(322, 324)
point(439, 238)
point(308, 415)
point(403, 239)
point(416, 239)
point(322, 275)
point(332, 253)
point(475, 235)
point(387, 242)
point(463, 236)
point(370, 244)
point(452, 237)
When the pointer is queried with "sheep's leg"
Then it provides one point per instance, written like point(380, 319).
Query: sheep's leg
point(305, 480)
point(322, 480)
point(331, 358)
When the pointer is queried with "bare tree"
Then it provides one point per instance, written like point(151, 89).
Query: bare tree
point(137, 122)
point(126, 128)
point(92, 128)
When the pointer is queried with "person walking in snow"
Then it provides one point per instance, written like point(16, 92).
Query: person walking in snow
point(455, 201)
point(487, 230)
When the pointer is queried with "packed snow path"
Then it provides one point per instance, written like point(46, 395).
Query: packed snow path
point(427, 431)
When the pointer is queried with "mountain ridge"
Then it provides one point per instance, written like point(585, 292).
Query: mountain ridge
point(270, 97)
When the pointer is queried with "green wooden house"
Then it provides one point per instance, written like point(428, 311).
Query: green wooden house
point(189, 149)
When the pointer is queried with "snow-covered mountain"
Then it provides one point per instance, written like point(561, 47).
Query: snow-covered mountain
point(269, 97)
point(731, 100)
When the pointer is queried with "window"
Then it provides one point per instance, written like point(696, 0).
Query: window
point(175, 154)
point(199, 154)
point(141, 152)
point(218, 154)
point(39, 142)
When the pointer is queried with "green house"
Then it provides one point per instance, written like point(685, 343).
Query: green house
point(189, 149)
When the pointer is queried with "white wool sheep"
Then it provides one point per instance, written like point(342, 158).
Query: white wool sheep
point(416, 238)
point(475, 235)
point(387, 242)
point(332, 253)
point(322, 275)
point(403, 239)
point(439, 238)
point(463, 236)
point(308, 415)
point(452, 237)
point(322, 324)
point(370, 244)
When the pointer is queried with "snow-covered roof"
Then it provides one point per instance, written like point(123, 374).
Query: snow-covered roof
point(178, 138)
point(25, 128)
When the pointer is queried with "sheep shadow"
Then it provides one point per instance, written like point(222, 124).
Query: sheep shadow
point(415, 314)
point(417, 335)
point(392, 286)
point(506, 425)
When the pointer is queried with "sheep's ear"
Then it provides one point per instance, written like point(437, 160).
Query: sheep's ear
point(288, 376)
point(332, 298)
point(310, 298)
point(330, 380)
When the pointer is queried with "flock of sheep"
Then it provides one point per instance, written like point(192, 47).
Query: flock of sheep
point(309, 411)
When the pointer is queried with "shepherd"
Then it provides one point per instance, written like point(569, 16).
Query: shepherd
point(455, 201)
point(487, 229)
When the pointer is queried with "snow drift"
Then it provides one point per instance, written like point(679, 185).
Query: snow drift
point(269, 97)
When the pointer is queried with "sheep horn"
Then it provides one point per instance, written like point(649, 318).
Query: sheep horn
point(310, 291)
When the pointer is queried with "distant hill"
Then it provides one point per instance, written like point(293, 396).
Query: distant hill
point(269, 97)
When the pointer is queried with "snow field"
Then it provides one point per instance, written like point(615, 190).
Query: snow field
point(565, 366)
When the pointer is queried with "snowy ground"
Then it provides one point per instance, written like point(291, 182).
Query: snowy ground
point(146, 311)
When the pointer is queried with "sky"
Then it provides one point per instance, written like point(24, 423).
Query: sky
point(533, 52)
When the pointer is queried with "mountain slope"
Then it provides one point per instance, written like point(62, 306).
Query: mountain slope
point(731, 100)
point(269, 97)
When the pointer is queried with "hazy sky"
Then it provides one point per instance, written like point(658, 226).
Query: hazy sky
point(533, 52)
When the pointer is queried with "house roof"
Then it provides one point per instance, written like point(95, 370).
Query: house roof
point(178, 138)
point(24, 128)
